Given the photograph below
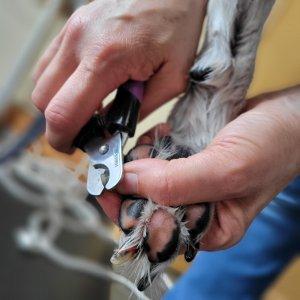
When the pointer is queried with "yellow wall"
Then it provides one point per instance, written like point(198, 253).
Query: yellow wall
point(278, 60)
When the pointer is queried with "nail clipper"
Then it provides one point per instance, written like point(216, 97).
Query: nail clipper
point(104, 137)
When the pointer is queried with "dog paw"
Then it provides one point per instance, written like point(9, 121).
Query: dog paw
point(153, 235)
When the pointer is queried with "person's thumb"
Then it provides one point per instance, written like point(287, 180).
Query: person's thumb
point(207, 176)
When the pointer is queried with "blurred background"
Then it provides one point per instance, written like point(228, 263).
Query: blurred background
point(50, 233)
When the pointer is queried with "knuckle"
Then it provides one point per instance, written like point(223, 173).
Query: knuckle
point(163, 193)
point(35, 97)
point(38, 99)
point(111, 50)
point(89, 67)
point(169, 189)
point(143, 71)
point(235, 229)
point(235, 236)
point(171, 192)
point(54, 143)
point(56, 120)
point(74, 29)
point(76, 25)
point(231, 236)
point(106, 55)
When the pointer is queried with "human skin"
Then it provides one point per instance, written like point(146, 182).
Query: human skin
point(106, 43)
point(251, 160)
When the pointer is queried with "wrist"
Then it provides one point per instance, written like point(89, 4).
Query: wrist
point(292, 103)
point(284, 108)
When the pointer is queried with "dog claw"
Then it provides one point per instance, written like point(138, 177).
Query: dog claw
point(139, 152)
point(200, 75)
point(190, 253)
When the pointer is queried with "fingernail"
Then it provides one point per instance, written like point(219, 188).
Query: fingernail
point(129, 184)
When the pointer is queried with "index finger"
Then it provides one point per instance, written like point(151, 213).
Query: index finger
point(76, 102)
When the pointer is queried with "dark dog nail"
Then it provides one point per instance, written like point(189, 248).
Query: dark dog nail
point(200, 75)
point(145, 282)
point(181, 152)
point(190, 253)
point(139, 152)
point(177, 150)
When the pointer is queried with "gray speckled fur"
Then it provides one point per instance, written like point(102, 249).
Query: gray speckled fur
point(210, 104)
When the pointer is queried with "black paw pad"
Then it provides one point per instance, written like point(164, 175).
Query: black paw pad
point(197, 218)
point(131, 210)
point(162, 239)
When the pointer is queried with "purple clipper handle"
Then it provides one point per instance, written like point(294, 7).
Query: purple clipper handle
point(124, 112)
point(136, 88)
point(122, 115)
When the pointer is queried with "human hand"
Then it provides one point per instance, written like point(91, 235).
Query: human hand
point(246, 165)
point(106, 43)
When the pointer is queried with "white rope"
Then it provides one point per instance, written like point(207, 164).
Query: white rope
point(55, 190)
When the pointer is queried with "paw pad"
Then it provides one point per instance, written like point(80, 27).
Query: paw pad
point(153, 235)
